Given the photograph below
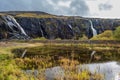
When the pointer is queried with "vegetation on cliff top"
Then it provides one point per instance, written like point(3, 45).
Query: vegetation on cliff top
point(34, 15)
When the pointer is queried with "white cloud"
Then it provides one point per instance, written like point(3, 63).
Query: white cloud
point(95, 11)
point(64, 4)
point(105, 7)
point(89, 8)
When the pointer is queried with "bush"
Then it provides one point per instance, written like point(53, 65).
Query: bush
point(117, 33)
point(40, 38)
point(106, 35)
point(10, 71)
point(84, 37)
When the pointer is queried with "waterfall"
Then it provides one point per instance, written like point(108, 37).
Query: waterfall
point(71, 29)
point(12, 24)
point(93, 29)
point(41, 32)
point(70, 26)
point(16, 24)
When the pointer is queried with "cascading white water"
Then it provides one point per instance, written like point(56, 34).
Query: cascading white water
point(70, 26)
point(93, 29)
point(42, 32)
point(12, 22)
point(17, 25)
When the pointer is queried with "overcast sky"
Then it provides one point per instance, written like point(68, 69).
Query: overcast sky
point(87, 8)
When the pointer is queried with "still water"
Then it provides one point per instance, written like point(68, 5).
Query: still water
point(111, 70)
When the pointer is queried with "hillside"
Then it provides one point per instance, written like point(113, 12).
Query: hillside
point(40, 24)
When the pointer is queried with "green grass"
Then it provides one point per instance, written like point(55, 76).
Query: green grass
point(49, 55)
point(34, 15)
point(80, 50)
point(40, 38)
point(106, 35)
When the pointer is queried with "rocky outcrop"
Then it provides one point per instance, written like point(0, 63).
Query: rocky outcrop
point(11, 27)
point(58, 27)
point(52, 28)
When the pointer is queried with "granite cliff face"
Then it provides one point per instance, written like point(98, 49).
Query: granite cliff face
point(24, 25)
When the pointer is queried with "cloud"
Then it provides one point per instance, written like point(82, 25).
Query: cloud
point(105, 7)
point(12, 5)
point(61, 7)
point(79, 7)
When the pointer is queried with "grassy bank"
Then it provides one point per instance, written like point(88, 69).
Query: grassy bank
point(42, 56)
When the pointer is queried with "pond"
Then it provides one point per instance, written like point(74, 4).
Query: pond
point(107, 64)
point(111, 70)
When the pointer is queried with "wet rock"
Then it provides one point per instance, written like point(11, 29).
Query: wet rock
point(11, 27)
point(60, 27)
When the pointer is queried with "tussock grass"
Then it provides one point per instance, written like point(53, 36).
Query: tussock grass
point(43, 56)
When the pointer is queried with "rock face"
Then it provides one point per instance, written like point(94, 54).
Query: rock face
point(53, 27)
point(12, 28)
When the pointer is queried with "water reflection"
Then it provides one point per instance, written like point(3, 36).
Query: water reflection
point(111, 70)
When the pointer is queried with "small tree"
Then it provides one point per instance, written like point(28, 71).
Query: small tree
point(117, 33)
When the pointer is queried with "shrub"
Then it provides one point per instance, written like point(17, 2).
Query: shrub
point(40, 38)
point(106, 35)
point(84, 37)
point(117, 33)
point(9, 71)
